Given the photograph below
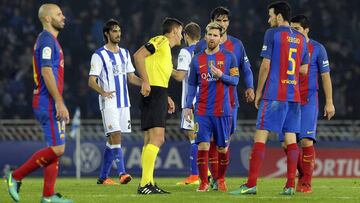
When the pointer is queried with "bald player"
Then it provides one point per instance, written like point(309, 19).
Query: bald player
point(48, 105)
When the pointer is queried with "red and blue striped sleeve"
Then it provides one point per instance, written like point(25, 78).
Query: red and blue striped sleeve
point(245, 66)
point(266, 51)
point(322, 60)
point(46, 47)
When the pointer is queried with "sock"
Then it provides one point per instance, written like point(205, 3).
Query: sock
point(308, 161)
point(50, 175)
point(142, 155)
point(213, 160)
point(107, 162)
point(292, 157)
point(41, 158)
point(299, 165)
point(193, 158)
point(202, 162)
point(149, 158)
point(118, 158)
point(256, 159)
point(223, 164)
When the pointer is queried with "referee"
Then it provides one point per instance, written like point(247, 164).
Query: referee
point(153, 61)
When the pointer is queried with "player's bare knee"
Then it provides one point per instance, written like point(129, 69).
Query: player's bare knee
point(157, 140)
point(222, 149)
point(160, 141)
point(115, 137)
point(157, 137)
point(204, 146)
point(290, 138)
point(58, 150)
point(261, 136)
point(307, 142)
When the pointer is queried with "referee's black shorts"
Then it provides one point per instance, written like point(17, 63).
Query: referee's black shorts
point(154, 108)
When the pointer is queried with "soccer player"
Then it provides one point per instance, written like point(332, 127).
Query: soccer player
point(110, 68)
point(277, 96)
point(213, 71)
point(154, 64)
point(192, 34)
point(48, 105)
point(318, 65)
point(221, 15)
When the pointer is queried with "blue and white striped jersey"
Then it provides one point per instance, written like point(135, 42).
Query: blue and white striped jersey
point(111, 69)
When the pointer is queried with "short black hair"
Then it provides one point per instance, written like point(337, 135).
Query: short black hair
point(169, 24)
point(302, 20)
point(193, 30)
point(219, 11)
point(108, 26)
point(281, 7)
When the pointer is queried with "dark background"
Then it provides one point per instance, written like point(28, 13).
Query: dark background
point(336, 24)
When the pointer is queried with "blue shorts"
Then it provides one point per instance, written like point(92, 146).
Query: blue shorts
point(278, 116)
point(54, 130)
point(308, 123)
point(234, 119)
point(206, 126)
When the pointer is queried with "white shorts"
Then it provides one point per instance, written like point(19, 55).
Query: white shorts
point(116, 119)
point(186, 125)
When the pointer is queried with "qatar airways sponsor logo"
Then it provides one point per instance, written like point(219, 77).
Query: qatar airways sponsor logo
point(208, 77)
point(330, 167)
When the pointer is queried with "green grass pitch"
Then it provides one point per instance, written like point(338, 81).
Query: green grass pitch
point(85, 190)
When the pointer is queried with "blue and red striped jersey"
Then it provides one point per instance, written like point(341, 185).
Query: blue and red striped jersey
point(47, 53)
point(235, 46)
point(319, 63)
point(287, 50)
point(213, 98)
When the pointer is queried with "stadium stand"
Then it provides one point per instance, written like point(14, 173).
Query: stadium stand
point(82, 34)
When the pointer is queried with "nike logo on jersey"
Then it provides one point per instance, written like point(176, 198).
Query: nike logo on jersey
point(202, 65)
point(309, 132)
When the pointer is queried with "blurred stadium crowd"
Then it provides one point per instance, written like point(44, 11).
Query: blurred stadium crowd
point(334, 23)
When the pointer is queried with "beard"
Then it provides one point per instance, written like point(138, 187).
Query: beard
point(212, 45)
point(57, 25)
point(115, 40)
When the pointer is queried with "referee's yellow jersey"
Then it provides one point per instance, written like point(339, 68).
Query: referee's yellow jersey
point(159, 65)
